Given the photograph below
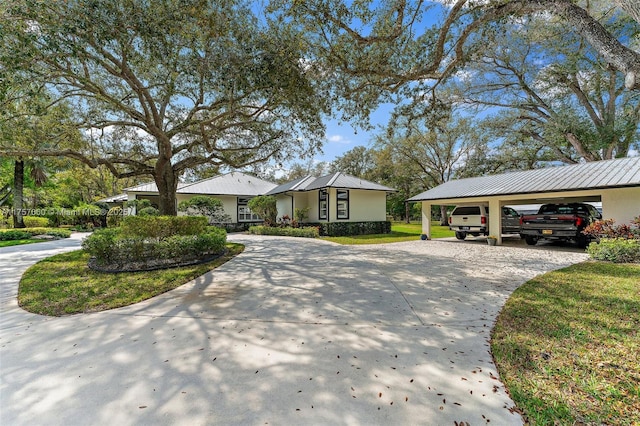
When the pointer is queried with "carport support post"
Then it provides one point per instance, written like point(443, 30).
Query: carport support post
point(426, 219)
point(495, 219)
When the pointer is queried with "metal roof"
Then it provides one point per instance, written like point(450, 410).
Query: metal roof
point(234, 183)
point(150, 187)
point(619, 172)
point(334, 180)
point(114, 199)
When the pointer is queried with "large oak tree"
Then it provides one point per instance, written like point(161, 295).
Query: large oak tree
point(165, 86)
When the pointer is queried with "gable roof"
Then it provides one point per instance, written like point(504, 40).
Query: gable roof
point(619, 172)
point(334, 180)
point(234, 183)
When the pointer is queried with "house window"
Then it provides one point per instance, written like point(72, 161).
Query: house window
point(323, 204)
point(244, 212)
point(343, 204)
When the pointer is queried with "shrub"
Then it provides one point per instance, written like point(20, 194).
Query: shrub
point(148, 211)
point(112, 248)
point(201, 205)
point(300, 214)
point(617, 250)
point(607, 229)
point(35, 222)
point(13, 235)
point(114, 217)
point(341, 229)
point(308, 232)
point(159, 227)
point(59, 233)
point(266, 207)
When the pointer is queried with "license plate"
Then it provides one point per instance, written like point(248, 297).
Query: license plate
point(464, 228)
point(547, 232)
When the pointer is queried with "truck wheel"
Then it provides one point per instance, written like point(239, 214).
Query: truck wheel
point(461, 235)
point(582, 241)
point(531, 241)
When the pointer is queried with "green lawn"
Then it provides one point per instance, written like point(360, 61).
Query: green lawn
point(19, 242)
point(63, 284)
point(400, 231)
point(567, 345)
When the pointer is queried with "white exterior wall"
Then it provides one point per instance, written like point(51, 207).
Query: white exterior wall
point(365, 206)
point(621, 204)
point(283, 203)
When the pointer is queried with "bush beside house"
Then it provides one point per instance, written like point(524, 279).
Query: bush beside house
point(616, 243)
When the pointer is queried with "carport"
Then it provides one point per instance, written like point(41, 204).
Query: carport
point(614, 183)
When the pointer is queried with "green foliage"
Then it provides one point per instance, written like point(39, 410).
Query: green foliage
point(35, 222)
point(26, 233)
point(112, 247)
point(115, 216)
point(201, 205)
point(339, 229)
point(160, 227)
point(306, 232)
point(148, 211)
point(617, 250)
point(265, 206)
point(300, 214)
point(14, 234)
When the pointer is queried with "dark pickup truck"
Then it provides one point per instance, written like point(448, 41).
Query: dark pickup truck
point(559, 222)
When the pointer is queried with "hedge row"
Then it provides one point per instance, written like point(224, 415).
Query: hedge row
point(161, 227)
point(341, 229)
point(26, 233)
point(112, 246)
point(618, 250)
point(307, 232)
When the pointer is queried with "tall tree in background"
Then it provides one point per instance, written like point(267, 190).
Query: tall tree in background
point(557, 100)
point(162, 87)
point(384, 51)
point(437, 145)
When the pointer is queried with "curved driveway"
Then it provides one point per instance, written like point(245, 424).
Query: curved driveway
point(292, 331)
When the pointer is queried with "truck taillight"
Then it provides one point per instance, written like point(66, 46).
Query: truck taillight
point(449, 220)
point(579, 221)
point(521, 220)
point(483, 220)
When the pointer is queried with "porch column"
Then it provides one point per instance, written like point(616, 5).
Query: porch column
point(426, 219)
point(495, 219)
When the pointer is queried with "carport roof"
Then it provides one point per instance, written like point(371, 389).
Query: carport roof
point(620, 172)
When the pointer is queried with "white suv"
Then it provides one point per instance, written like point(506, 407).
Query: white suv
point(474, 220)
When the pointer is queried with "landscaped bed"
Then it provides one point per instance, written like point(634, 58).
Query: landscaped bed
point(567, 345)
point(64, 284)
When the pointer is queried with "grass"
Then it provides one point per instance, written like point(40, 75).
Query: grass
point(399, 232)
point(64, 285)
point(567, 345)
point(19, 242)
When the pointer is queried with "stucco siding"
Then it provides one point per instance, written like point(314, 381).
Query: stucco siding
point(283, 204)
point(367, 206)
point(621, 204)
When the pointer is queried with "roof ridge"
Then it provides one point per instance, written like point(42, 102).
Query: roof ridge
point(333, 179)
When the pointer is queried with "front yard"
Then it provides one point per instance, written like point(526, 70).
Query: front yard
point(567, 345)
point(400, 231)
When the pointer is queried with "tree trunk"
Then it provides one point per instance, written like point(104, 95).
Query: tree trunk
point(18, 192)
point(443, 216)
point(407, 212)
point(167, 183)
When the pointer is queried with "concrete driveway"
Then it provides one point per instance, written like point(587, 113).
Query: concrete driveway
point(292, 331)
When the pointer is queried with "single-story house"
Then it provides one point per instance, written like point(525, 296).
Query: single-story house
point(333, 198)
point(614, 183)
point(234, 189)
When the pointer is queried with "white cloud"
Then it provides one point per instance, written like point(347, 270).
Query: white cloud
point(338, 139)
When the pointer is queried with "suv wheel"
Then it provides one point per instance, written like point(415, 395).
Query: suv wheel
point(461, 235)
point(531, 241)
